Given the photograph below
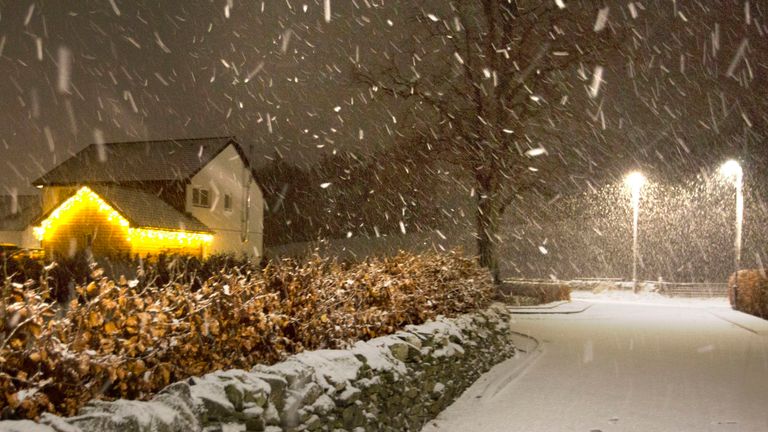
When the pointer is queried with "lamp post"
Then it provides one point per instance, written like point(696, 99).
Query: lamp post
point(635, 181)
point(732, 169)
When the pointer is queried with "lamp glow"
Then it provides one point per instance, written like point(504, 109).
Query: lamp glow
point(635, 181)
point(732, 169)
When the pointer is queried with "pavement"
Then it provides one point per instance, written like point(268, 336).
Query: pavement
point(623, 362)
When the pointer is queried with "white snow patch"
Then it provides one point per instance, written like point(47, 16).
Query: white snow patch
point(24, 426)
point(437, 327)
point(377, 358)
point(212, 389)
point(331, 367)
point(450, 350)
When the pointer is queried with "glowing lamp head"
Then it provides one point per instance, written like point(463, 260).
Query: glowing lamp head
point(634, 180)
point(730, 169)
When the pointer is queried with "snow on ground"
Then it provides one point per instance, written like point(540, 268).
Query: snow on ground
point(647, 298)
point(625, 363)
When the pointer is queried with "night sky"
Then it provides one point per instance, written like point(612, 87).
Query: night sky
point(682, 94)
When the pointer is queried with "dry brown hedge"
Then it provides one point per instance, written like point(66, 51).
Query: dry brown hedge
point(752, 292)
point(116, 340)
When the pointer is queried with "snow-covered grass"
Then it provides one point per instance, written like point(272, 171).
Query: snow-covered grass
point(647, 298)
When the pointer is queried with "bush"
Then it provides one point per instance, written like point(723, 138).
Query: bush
point(118, 339)
point(20, 269)
point(752, 288)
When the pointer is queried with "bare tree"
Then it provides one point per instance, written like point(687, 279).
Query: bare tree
point(488, 80)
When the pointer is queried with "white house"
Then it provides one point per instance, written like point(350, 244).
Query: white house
point(192, 196)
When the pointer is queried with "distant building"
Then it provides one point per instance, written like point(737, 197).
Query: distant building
point(190, 196)
point(16, 216)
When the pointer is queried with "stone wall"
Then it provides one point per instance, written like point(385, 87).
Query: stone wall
point(391, 383)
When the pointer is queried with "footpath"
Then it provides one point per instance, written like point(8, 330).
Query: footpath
point(620, 362)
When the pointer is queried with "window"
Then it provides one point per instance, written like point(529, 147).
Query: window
point(227, 202)
point(201, 197)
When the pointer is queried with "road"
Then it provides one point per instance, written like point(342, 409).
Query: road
point(616, 363)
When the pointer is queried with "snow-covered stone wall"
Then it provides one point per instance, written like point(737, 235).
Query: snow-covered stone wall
point(391, 383)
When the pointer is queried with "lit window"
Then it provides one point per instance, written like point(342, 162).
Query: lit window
point(201, 197)
point(227, 202)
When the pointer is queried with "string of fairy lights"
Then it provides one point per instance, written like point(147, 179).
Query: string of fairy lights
point(140, 237)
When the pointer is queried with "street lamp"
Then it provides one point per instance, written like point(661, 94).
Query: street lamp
point(732, 169)
point(634, 181)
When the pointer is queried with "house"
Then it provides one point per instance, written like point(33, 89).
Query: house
point(190, 196)
point(17, 212)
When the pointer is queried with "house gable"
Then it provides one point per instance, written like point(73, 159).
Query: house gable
point(86, 220)
point(233, 207)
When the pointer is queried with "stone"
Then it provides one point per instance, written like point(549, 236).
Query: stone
point(278, 386)
point(235, 395)
point(58, 424)
point(404, 352)
point(179, 388)
point(212, 400)
point(271, 416)
point(295, 373)
point(352, 417)
point(313, 423)
point(131, 416)
point(253, 418)
point(411, 338)
point(349, 396)
point(323, 405)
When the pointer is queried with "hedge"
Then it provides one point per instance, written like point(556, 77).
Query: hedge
point(118, 339)
point(752, 289)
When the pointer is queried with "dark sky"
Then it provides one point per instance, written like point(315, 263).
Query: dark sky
point(278, 76)
point(274, 73)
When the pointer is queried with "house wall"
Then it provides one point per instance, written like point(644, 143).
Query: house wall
point(12, 237)
point(68, 235)
point(227, 173)
point(28, 239)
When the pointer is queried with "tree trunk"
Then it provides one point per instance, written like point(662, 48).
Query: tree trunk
point(487, 226)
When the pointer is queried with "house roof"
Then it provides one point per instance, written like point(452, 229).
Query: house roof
point(144, 210)
point(18, 215)
point(137, 161)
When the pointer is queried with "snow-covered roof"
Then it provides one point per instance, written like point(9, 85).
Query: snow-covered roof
point(138, 161)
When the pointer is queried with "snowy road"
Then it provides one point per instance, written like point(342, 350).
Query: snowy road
point(658, 365)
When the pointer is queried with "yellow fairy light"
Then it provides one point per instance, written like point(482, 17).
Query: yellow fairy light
point(83, 197)
point(181, 238)
point(145, 238)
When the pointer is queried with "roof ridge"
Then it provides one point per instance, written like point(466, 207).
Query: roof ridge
point(194, 153)
point(232, 137)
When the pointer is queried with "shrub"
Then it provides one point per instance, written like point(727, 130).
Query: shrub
point(752, 288)
point(118, 339)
